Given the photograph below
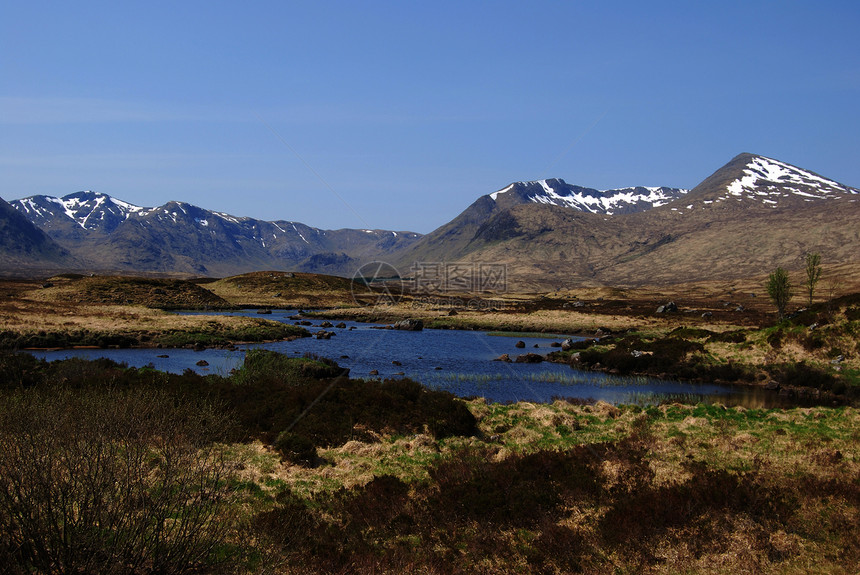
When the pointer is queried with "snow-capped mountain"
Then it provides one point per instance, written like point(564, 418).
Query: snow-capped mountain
point(750, 180)
point(93, 211)
point(772, 178)
point(557, 192)
point(25, 246)
point(751, 215)
point(113, 234)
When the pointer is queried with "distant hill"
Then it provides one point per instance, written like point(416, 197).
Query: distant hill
point(25, 248)
point(109, 234)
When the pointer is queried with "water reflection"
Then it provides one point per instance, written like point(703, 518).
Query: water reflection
point(459, 361)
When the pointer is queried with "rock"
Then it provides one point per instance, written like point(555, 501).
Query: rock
point(437, 368)
point(409, 325)
point(567, 344)
point(536, 345)
point(305, 322)
point(264, 311)
point(163, 355)
point(707, 315)
point(278, 294)
point(813, 327)
point(637, 353)
point(395, 362)
point(772, 385)
point(374, 372)
point(740, 308)
point(520, 344)
point(341, 325)
point(667, 308)
point(326, 324)
point(202, 363)
point(47, 285)
point(504, 357)
point(529, 358)
point(323, 334)
point(555, 344)
point(579, 304)
point(452, 312)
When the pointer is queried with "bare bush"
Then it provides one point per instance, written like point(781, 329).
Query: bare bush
point(106, 481)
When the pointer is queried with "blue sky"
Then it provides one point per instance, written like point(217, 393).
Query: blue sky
point(398, 115)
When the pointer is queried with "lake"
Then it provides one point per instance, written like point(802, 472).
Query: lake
point(459, 361)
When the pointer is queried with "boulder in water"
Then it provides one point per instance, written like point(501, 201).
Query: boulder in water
point(409, 325)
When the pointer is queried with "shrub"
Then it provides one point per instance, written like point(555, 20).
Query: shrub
point(268, 366)
point(106, 481)
point(296, 448)
point(737, 336)
point(801, 374)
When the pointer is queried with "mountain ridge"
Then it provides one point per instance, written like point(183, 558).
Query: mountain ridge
point(181, 237)
point(548, 232)
point(705, 233)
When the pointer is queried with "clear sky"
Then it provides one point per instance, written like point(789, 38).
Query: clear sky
point(397, 115)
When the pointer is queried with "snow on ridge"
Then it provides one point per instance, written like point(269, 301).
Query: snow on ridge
point(608, 201)
point(227, 217)
point(595, 201)
point(300, 233)
point(495, 195)
point(767, 172)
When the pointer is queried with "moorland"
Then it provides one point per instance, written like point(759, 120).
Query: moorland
point(288, 465)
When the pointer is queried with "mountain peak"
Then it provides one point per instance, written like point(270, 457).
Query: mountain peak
point(755, 179)
point(555, 191)
point(762, 172)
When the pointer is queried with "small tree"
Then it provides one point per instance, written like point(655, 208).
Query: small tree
point(813, 274)
point(779, 290)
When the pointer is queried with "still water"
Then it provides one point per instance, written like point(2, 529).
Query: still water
point(459, 361)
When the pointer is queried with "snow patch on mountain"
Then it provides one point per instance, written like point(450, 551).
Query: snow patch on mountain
point(495, 195)
point(557, 192)
point(766, 179)
point(89, 210)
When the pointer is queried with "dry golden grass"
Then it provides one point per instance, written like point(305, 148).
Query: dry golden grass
point(283, 290)
point(818, 444)
point(27, 317)
point(78, 324)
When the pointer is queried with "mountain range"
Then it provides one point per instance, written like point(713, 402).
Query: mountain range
point(749, 216)
point(112, 235)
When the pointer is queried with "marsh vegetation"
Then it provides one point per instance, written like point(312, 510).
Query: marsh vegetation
point(287, 466)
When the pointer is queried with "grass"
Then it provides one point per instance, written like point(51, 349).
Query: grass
point(54, 317)
point(282, 290)
point(410, 480)
point(667, 480)
point(525, 334)
point(526, 487)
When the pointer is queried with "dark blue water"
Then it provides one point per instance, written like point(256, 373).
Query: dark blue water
point(455, 360)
